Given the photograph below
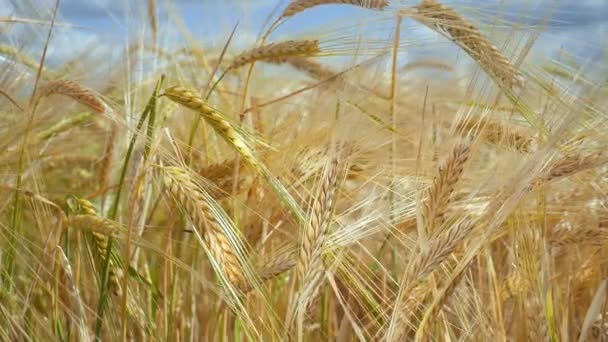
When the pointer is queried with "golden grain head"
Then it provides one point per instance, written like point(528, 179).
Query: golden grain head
point(74, 91)
point(273, 51)
point(298, 6)
point(465, 34)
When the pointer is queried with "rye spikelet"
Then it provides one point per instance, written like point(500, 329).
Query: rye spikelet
point(449, 23)
point(86, 219)
point(298, 6)
point(438, 199)
point(273, 51)
point(189, 195)
point(235, 138)
point(74, 91)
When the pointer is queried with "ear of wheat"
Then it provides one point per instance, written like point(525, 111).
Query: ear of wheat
point(444, 184)
point(499, 134)
point(298, 6)
point(572, 164)
point(273, 51)
point(237, 140)
point(20, 57)
point(441, 246)
point(77, 306)
point(221, 246)
point(74, 91)
point(315, 69)
point(449, 23)
point(310, 265)
point(86, 219)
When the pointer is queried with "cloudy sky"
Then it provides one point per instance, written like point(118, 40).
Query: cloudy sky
point(578, 25)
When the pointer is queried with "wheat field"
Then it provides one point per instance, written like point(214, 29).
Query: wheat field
point(423, 172)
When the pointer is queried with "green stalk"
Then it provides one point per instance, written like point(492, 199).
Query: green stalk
point(151, 106)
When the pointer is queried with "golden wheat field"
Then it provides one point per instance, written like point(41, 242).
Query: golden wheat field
point(424, 171)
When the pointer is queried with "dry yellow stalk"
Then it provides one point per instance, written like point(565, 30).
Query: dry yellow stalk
point(298, 6)
point(74, 91)
point(448, 22)
point(188, 194)
point(289, 48)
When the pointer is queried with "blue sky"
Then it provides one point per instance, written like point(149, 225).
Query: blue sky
point(578, 25)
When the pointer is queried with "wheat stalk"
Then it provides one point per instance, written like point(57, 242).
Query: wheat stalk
point(444, 184)
point(274, 51)
point(188, 194)
point(298, 6)
point(449, 23)
point(74, 91)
